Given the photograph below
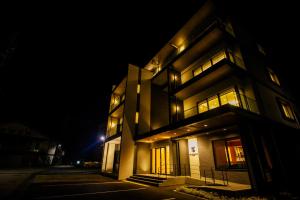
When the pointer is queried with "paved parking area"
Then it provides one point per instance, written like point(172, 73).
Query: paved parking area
point(94, 187)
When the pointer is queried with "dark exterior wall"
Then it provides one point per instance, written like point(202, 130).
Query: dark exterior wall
point(159, 108)
point(271, 106)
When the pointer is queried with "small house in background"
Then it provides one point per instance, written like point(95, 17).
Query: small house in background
point(21, 146)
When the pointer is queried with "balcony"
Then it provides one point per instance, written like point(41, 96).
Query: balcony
point(114, 126)
point(231, 97)
point(206, 72)
point(116, 101)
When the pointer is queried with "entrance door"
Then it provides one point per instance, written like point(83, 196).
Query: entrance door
point(194, 158)
point(160, 160)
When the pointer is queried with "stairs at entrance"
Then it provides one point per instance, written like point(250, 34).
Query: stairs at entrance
point(146, 179)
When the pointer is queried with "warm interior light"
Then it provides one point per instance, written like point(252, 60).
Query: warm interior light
point(177, 108)
point(112, 124)
point(174, 77)
point(205, 125)
point(138, 88)
point(137, 117)
point(181, 48)
point(116, 101)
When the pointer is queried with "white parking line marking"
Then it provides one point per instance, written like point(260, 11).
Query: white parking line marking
point(71, 184)
point(90, 193)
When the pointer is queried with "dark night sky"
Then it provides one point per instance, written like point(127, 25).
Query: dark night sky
point(58, 81)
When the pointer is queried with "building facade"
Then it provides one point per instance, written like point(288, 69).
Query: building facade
point(207, 103)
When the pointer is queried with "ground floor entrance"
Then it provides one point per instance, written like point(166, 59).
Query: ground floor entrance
point(111, 156)
point(160, 160)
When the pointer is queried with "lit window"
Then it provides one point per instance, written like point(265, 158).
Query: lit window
point(198, 71)
point(273, 77)
point(217, 58)
point(138, 88)
point(202, 107)
point(229, 97)
point(137, 117)
point(123, 97)
point(176, 108)
point(206, 65)
point(287, 110)
point(213, 102)
point(229, 154)
point(174, 77)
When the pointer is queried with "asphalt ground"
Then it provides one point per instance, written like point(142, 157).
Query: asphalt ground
point(89, 184)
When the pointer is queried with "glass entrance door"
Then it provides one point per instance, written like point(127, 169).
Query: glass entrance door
point(160, 160)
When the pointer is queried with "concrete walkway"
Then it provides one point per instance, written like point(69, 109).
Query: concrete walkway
point(12, 180)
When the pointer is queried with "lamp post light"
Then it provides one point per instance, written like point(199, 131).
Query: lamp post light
point(102, 138)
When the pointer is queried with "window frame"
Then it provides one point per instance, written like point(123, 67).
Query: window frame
point(229, 166)
point(280, 103)
point(270, 72)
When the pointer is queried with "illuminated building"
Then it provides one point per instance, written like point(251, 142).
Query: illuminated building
point(208, 103)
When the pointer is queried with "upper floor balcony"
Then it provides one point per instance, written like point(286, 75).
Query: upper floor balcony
point(118, 95)
point(114, 126)
point(116, 100)
point(232, 96)
point(185, 48)
point(204, 72)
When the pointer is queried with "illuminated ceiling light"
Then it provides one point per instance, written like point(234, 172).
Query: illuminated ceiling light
point(175, 133)
point(224, 129)
point(188, 130)
point(205, 125)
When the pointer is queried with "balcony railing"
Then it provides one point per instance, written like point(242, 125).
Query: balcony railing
point(200, 67)
point(244, 102)
point(117, 100)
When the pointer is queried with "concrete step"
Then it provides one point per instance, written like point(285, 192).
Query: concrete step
point(151, 177)
point(148, 179)
point(147, 182)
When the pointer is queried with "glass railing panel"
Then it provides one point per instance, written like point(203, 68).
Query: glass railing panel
point(229, 97)
point(190, 112)
point(206, 64)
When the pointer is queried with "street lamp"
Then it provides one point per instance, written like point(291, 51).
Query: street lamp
point(102, 138)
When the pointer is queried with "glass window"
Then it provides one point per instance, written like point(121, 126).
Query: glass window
point(217, 58)
point(213, 102)
point(229, 153)
point(206, 65)
point(273, 77)
point(287, 110)
point(220, 154)
point(198, 71)
point(229, 97)
point(202, 107)
point(236, 155)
